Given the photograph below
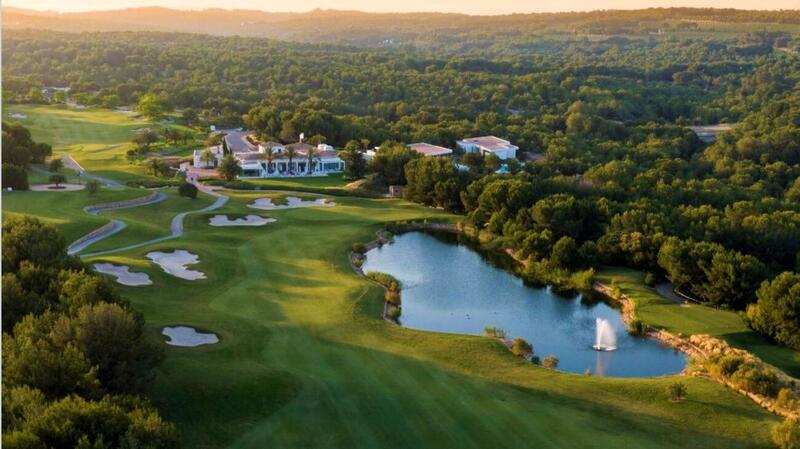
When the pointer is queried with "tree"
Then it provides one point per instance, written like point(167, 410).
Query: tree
point(188, 190)
point(92, 187)
point(152, 106)
point(676, 391)
point(157, 166)
point(58, 179)
point(229, 168)
point(55, 165)
point(75, 422)
point(269, 155)
point(290, 154)
point(775, 314)
point(145, 137)
point(521, 348)
point(26, 238)
point(18, 147)
point(550, 362)
point(15, 177)
point(312, 153)
point(564, 253)
point(389, 162)
point(786, 434)
point(208, 158)
point(189, 116)
point(354, 163)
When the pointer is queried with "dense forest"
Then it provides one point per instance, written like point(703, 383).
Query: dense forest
point(609, 172)
point(75, 354)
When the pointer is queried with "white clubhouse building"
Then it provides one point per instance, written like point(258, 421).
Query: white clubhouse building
point(488, 145)
point(271, 159)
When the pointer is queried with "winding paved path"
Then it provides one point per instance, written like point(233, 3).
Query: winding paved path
point(80, 171)
point(111, 228)
point(176, 226)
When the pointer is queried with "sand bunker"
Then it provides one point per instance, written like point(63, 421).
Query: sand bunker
point(124, 274)
point(175, 263)
point(188, 336)
point(60, 188)
point(17, 115)
point(292, 202)
point(250, 220)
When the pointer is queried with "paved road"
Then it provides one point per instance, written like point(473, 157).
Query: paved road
point(176, 225)
point(76, 167)
point(114, 226)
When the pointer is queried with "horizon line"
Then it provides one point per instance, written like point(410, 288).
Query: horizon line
point(572, 11)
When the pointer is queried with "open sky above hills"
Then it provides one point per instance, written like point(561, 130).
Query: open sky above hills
point(460, 6)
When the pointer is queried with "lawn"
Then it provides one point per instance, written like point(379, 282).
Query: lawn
point(690, 319)
point(65, 209)
point(305, 359)
point(96, 138)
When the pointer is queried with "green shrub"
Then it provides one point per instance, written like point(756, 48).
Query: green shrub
point(786, 435)
point(550, 362)
point(756, 379)
point(384, 279)
point(650, 279)
point(92, 186)
point(496, 332)
point(521, 348)
point(394, 313)
point(676, 391)
point(15, 176)
point(359, 248)
point(392, 298)
point(787, 399)
point(637, 327)
point(726, 365)
point(536, 360)
point(188, 190)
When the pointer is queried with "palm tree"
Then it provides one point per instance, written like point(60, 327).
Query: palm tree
point(290, 153)
point(269, 155)
point(312, 153)
point(207, 157)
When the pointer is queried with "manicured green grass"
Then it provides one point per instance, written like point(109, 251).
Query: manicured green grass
point(148, 222)
point(306, 361)
point(96, 138)
point(65, 209)
point(691, 319)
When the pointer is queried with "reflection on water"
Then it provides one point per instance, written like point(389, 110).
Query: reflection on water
point(449, 287)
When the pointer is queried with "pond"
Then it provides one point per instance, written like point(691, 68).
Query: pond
point(448, 286)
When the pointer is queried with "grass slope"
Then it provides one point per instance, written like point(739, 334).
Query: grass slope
point(690, 319)
point(305, 360)
point(96, 138)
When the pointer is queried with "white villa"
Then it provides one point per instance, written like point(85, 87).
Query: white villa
point(427, 149)
point(488, 145)
point(269, 159)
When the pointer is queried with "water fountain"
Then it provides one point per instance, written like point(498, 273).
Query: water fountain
point(605, 339)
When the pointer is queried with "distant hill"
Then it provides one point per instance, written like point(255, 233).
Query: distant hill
point(373, 28)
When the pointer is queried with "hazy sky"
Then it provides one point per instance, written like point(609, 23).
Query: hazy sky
point(463, 6)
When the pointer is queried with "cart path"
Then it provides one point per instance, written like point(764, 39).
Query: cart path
point(176, 225)
point(113, 227)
